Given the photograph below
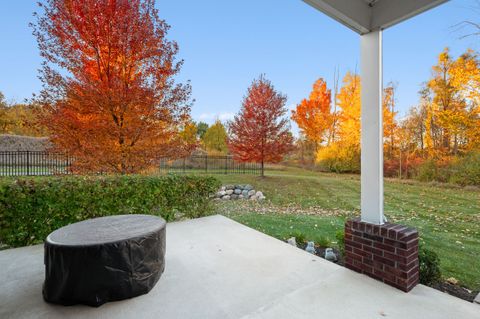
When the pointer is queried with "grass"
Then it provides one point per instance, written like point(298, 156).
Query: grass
point(317, 204)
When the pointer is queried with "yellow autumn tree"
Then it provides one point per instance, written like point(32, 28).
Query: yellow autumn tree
point(390, 125)
point(465, 122)
point(215, 139)
point(343, 155)
point(453, 113)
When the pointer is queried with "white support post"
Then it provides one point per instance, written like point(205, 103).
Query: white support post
point(372, 128)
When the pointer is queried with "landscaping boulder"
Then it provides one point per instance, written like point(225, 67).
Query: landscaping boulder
point(229, 192)
point(259, 195)
point(221, 193)
point(292, 241)
point(248, 187)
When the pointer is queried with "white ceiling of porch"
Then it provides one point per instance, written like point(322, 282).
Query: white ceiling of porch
point(364, 16)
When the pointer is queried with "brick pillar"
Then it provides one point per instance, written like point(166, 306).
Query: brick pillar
point(387, 252)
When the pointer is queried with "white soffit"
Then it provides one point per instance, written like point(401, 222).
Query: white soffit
point(364, 16)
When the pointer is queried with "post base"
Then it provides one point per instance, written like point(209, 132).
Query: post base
point(388, 252)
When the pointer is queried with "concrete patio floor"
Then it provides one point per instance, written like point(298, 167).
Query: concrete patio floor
point(217, 268)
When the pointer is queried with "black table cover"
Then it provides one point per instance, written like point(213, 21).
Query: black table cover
point(104, 259)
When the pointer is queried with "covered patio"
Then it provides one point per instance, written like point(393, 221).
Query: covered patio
point(217, 268)
point(384, 251)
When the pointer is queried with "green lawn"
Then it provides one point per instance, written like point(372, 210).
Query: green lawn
point(316, 204)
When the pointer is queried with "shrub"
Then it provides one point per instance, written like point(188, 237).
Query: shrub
point(339, 158)
point(322, 241)
point(466, 171)
point(31, 208)
point(427, 171)
point(458, 170)
point(435, 170)
point(391, 167)
point(429, 266)
point(340, 236)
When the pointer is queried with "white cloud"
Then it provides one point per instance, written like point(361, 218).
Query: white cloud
point(212, 117)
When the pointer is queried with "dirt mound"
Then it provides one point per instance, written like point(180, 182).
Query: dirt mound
point(23, 143)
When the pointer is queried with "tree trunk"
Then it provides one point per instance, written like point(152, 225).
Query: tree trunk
point(400, 166)
point(455, 144)
point(263, 169)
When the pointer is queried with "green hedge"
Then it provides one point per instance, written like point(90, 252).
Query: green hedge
point(31, 208)
point(463, 171)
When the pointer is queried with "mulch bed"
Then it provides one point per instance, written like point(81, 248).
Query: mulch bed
point(456, 290)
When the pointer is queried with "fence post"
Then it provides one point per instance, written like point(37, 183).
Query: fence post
point(206, 163)
point(28, 163)
point(226, 165)
point(68, 171)
point(184, 164)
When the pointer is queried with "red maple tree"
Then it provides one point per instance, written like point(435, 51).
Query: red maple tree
point(109, 97)
point(260, 132)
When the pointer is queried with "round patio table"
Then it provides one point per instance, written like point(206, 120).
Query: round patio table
point(104, 259)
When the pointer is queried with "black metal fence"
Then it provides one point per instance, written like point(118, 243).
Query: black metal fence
point(41, 163)
point(34, 163)
point(209, 164)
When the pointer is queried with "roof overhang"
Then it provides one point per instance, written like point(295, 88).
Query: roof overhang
point(364, 16)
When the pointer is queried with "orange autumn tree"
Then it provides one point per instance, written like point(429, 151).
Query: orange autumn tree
point(313, 116)
point(109, 97)
point(260, 132)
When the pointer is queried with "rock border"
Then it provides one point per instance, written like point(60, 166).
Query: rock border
point(235, 192)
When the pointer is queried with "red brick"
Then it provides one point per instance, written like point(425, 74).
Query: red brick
point(374, 238)
point(411, 258)
point(373, 250)
point(407, 234)
point(376, 229)
point(394, 243)
point(361, 227)
point(352, 243)
point(362, 241)
point(384, 247)
point(393, 232)
point(385, 275)
point(362, 253)
point(384, 232)
point(412, 243)
point(367, 269)
point(368, 228)
point(384, 260)
point(406, 252)
point(378, 265)
point(395, 257)
point(368, 261)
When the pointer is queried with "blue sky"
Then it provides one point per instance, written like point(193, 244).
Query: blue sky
point(225, 44)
